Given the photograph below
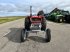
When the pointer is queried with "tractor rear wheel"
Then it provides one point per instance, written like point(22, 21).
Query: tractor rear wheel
point(27, 23)
point(43, 24)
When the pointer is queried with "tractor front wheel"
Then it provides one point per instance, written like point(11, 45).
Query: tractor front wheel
point(24, 35)
point(48, 35)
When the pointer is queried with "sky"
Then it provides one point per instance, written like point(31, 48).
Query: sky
point(23, 5)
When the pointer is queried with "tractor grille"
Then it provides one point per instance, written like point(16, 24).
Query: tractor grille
point(36, 27)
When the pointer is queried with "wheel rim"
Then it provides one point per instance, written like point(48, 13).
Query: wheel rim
point(24, 35)
point(60, 20)
point(45, 34)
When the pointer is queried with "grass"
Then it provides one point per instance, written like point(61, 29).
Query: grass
point(10, 18)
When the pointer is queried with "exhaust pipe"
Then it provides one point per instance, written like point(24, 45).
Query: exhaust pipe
point(30, 10)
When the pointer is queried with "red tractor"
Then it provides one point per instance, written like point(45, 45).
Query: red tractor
point(35, 24)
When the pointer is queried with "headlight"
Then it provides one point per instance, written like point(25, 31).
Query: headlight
point(40, 25)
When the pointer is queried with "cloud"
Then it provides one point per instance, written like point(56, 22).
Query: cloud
point(23, 6)
point(7, 7)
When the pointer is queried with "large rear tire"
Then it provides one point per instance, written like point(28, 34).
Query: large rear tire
point(43, 24)
point(27, 23)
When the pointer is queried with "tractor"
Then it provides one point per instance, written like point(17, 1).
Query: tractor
point(35, 23)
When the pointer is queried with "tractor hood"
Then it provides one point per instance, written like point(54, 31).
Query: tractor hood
point(36, 19)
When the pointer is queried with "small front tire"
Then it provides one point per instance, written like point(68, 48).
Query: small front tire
point(24, 35)
point(48, 35)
